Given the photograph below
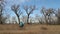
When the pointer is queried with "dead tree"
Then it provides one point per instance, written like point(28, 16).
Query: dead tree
point(16, 10)
point(29, 10)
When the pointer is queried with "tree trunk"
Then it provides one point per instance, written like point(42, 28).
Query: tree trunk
point(28, 19)
point(19, 20)
point(46, 20)
point(49, 19)
point(1, 20)
point(58, 21)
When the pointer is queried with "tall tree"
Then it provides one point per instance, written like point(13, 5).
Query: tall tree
point(43, 11)
point(29, 10)
point(17, 11)
point(49, 13)
point(1, 10)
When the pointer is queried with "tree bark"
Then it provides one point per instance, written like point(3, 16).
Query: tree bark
point(46, 20)
point(28, 19)
point(1, 20)
point(18, 18)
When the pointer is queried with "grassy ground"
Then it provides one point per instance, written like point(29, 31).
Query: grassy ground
point(29, 29)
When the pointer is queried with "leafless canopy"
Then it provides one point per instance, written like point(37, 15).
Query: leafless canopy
point(17, 11)
point(29, 10)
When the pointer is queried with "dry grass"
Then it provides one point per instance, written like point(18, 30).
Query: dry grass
point(29, 29)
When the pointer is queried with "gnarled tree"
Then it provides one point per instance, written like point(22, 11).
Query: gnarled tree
point(29, 10)
point(16, 10)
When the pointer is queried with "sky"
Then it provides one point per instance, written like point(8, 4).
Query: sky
point(38, 3)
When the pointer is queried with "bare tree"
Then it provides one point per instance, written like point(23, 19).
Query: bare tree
point(16, 10)
point(43, 11)
point(1, 10)
point(7, 18)
point(57, 14)
point(49, 13)
point(29, 10)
